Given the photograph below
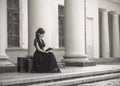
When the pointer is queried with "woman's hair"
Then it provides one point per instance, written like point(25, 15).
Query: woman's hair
point(39, 31)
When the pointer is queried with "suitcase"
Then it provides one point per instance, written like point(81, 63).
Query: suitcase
point(24, 64)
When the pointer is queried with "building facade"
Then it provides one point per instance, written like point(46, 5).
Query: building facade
point(82, 29)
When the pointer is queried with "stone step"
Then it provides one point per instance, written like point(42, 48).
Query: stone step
point(61, 64)
point(6, 69)
point(58, 77)
point(77, 81)
point(109, 60)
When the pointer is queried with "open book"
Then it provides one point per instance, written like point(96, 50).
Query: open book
point(48, 49)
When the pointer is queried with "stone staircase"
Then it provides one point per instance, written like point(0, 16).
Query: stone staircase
point(80, 80)
point(72, 78)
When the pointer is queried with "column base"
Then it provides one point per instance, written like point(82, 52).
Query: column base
point(78, 61)
point(6, 66)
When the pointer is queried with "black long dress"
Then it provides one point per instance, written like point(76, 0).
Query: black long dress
point(44, 62)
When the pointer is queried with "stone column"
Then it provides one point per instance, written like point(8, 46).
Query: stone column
point(105, 34)
point(75, 33)
point(24, 23)
point(39, 15)
point(115, 35)
point(5, 65)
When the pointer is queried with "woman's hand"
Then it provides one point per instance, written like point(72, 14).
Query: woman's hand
point(50, 51)
point(46, 51)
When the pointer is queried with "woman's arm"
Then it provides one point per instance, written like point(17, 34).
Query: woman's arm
point(38, 48)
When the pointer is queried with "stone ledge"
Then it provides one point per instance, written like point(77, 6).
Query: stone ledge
point(6, 69)
point(106, 60)
point(61, 64)
point(81, 64)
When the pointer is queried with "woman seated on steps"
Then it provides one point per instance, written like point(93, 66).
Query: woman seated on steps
point(43, 60)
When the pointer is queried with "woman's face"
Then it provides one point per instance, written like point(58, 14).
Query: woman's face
point(41, 35)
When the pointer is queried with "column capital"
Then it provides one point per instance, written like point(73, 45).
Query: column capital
point(103, 10)
point(114, 13)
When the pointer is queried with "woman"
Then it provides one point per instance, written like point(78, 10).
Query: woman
point(43, 61)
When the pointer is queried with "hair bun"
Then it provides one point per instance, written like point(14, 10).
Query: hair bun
point(40, 30)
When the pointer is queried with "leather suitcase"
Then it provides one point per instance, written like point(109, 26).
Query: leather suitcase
point(24, 64)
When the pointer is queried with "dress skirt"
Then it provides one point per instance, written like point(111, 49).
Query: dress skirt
point(44, 63)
